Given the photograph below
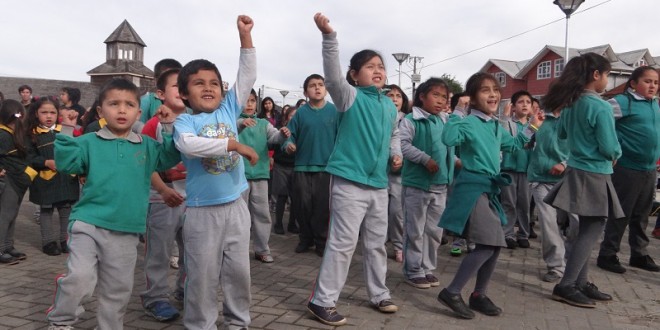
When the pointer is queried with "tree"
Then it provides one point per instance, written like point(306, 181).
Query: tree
point(454, 85)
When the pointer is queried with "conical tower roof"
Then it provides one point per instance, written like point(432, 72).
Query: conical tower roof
point(125, 33)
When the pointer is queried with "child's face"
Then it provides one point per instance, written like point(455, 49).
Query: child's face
point(315, 90)
point(268, 105)
point(251, 105)
point(170, 96)
point(47, 115)
point(647, 84)
point(26, 95)
point(371, 73)
point(396, 97)
point(535, 108)
point(488, 97)
point(204, 91)
point(64, 97)
point(121, 109)
point(523, 106)
point(435, 100)
point(600, 81)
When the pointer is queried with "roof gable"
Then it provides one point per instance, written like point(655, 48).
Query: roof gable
point(125, 33)
point(511, 68)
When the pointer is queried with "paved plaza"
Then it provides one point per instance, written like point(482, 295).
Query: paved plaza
point(280, 291)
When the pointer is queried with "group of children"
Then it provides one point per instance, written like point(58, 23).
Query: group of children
point(430, 170)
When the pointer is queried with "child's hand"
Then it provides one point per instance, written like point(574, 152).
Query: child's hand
point(82, 180)
point(323, 23)
point(249, 122)
point(68, 117)
point(432, 166)
point(507, 110)
point(2, 173)
point(537, 120)
point(285, 131)
point(50, 163)
point(165, 114)
point(397, 162)
point(458, 164)
point(248, 153)
point(245, 25)
point(171, 197)
point(291, 148)
point(557, 169)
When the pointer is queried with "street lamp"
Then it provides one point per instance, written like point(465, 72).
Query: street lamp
point(284, 94)
point(400, 57)
point(568, 7)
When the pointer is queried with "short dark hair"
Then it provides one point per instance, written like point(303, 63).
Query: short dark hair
point(118, 84)
point(162, 79)
point(165, 65)
point(308, 79)
point(190, 69)
point(74, 94)
point(22, 87)
point(358, 60)
point(519, 94)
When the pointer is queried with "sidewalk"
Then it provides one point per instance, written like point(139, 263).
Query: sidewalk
point(280, 291)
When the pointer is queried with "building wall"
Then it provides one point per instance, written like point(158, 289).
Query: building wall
point(512, 85)
point(540, 86)
point(44, 87)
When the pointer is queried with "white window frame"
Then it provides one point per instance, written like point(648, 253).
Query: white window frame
point(501, 77)
point(544, 70)
point(559, 67)
point(641, 62)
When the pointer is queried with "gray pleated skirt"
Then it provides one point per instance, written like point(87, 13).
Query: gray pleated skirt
point(484, 225)
point(585, 193)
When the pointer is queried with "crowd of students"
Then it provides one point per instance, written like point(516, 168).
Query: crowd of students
point(366, 168)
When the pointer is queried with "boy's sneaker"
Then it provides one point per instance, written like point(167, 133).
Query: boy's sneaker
point(162, 311)
point(656, 233)
point(59, 327)
point(551, 276)
point(419, 282)
point(610, 263)
point(327, 315)
point(433, 281)
point(387, 306)
point(456, 251)
point(265, 258)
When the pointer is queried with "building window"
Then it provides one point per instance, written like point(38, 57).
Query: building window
point(641, 62)
point(130, 54)
point(501, 77)
point(559, 66)
point(543, 70)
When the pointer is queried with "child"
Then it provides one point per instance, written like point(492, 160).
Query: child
point(70, 98)
point(358, 164)
point(586, 188)
point(459, 101)
point(149, 102)
point(50, 189)
point(473, 210)
point(216, 232)
point(283, 183)
point(104, 226)
point(258, 134)
point(515, 197)
point(428, 169)
point(18, 177)
point(313, 134)
point(165, 215)
point(637, 117)
point(395, 205)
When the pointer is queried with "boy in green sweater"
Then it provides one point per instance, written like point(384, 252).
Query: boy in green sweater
point(103, 235)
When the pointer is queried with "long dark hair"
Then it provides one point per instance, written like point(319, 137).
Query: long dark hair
point(12, 111)
point(578, 72)
point(262, 111)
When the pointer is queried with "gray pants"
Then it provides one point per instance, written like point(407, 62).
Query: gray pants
point(422, 234)
point(515, 202)
point(553, 248)
point(54, 230)
point(99, 258)
point(636, 191)
point(10, 202)
point(217, 241)
point(354, 209)
point(256, 198)
point(164, 226)
point(395, 212)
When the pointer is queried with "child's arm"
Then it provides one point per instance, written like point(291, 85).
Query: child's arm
point(70, 156)
point(608, 144)
point(511, 143)
point(170, 196)
point(409, 151)
point(457, 130)
point(276, 136)
point(343, 94)
point(395, 149)
point(289, 146)
point(36, 161)
point(247, 63)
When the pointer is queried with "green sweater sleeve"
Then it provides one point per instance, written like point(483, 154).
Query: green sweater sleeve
point(70, 157)
point(169, 155)
point(608, 145)
point(456, 131)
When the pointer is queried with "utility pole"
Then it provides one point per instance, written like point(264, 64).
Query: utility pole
point(416, 78)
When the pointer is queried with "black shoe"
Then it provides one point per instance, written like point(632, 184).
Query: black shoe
point(51, 249)
point(523, 243)
point(64, 247)
point(327, 315)
point(319, 251)
point(302, 248)
point(591, 290)
point(279, 229)
point(644, 262)
point(572, 296)
point(610, 263)
point(511, 243)
point(444, 241)
point(532, 233)
point(387, 306)
point(8, 259)
point(293, 229)
point(16, 254)
point(482, 304)
point(455, 303)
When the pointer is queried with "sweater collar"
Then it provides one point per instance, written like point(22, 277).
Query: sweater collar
point(419, 113)
point(253, 116)
point(481, 115)
point(41, 130)
point(105, 134)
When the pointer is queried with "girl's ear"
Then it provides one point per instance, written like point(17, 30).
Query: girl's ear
point(353, 74)
point(596, 75)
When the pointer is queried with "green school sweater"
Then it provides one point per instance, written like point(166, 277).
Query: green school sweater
point(548, 151)
point(313, 131)
point(257, 138)
point(637, 121)
point(518, 160)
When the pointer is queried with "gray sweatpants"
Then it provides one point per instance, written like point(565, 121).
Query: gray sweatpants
point(395, 212)
point(217, 241)
point(99, 258)
point(164, 226)
point(423, 210)
point(256, 198)
point(553, 247)
point(515, 202)
point(354, 209)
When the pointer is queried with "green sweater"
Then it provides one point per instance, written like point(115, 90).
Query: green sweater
point(588, 125)
point(548, 151)
point(637, 125)
point(258, 137)
point(116, 193)
point(517, 160)
point(313, 131)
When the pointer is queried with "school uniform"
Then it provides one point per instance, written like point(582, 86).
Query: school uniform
point(395, 205)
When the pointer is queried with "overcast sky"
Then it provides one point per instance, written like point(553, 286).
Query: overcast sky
point(64, 39)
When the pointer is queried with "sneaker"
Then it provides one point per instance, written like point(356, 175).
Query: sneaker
point(456, 252)
point(551, 276)
point(455, 303)
point(265, 258)
point(511, 243)
point(433, 281)
point(591, 290)
point(162, 311)
point(482, 304)
point(327, 315)
point(610, 263)
point(398, 256)
point(532, 233)
point(523, 243)
point(644, 262)
point(59, 327)
point(51, 249)
point(177, 295)
point(656, 233)
point(64, 247)
point(418, 282)
point(174, 262)
point(471, 246)
point(16, 254)
point(387, 306)
point(8, 259)
point(572, 296)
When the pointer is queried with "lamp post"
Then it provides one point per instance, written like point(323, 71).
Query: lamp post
point(284, 94)
point(400, 57)
point(568, 7)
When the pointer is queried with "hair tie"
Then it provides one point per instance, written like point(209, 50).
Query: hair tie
point(17, 115)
